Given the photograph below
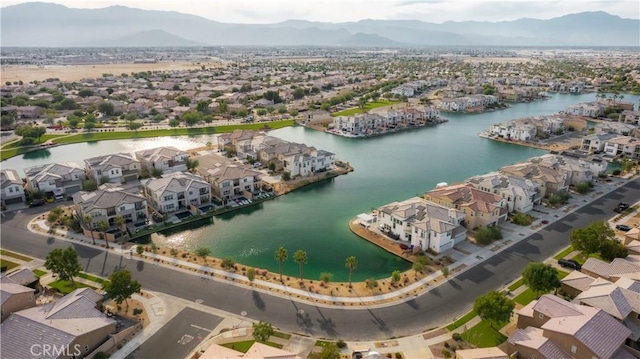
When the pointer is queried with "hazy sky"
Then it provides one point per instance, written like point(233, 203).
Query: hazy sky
point(269, 11)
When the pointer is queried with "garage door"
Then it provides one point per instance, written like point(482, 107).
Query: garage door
point(13, 200)
point(73, 189)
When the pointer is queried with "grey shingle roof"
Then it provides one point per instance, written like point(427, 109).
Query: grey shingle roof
point(23, 276)
point(102, 199)
point(9, 177)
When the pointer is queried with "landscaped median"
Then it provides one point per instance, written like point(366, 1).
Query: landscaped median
point(12, 150)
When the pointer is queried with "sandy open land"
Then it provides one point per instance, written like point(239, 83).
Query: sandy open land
point(501, 60)
point(29, 73)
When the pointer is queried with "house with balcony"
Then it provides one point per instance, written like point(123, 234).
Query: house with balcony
point(117, 168)
point(577, 170)
point(520, 195)
point(551, 327)
point(229, 181)
point(549, 180)
point(628, 147)
point(595, 142)
point(166, 159)
point(12, 187)
point(630, 117)
point(108, 204)
point(422, 224)
point(56, 178)
point(176, 191)
point(481, 209)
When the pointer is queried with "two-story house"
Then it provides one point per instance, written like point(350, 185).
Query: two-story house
point(107, 205)
point(481, 209)
point(229, 181)
point(12, 187)
point(520, 195)
point(422, 224)
point(176, 191)
point(56, 178)
point(117, 168)
point(549, 180)
point(165, 159)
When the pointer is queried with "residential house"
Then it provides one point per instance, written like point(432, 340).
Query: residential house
point(29, 111)
point(229, 181)
point(12, 187)
point(22, 276)
point(73, 323)
point(628, 147)
point(618, 268)
point(176, 191)
point(549, 180)
point(592, 109)
point(481, 209)
point(108, 204)
point(595, 142)
point(551, 327)
point(619, 128)
point(575, 283)
point(422, 224)
point(57, 178)
point(14, 297)
point(165, 159)
point(256, 351)
point(520, 195)
point(118, 168)
point(577, 170)
point(630, 117)
point(518, 131)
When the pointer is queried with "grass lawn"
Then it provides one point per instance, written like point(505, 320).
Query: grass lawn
point(525, 297)
point(367, 107)
point(15, 255)
point(5, 263)
point(516, 284)
point(562, 274)
point(322, 343)
point(462, 320)
point(11, 153)
point(564, 253)
point(39, 273)
point(581, 257)
point(43, 139)
point(91, 278)
point(66, 287)
point(281, 335)
point(243, 346)
point(483, 336)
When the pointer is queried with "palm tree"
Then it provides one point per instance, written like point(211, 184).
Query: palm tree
point(119, 220)
point(103, 226)
point(87, 220)
point(281, 256)
point(621, 97)
point(300, 257)
point(351, 263)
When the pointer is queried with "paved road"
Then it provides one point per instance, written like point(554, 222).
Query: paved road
point(430, 310)
point(179, 336)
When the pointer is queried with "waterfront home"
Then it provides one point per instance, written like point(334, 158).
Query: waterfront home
point(628, 147)
point(236, 140)
point(73, 323)
point(577, 170)
point(229, 181)
point(595, 142)
point(481, 209)
point(422, 224)
point(55, 178)
point(520, 194)
point(590, 109)
point(551, 327)
point(630, 117)
point(514, 130)
point(12, 187)
point(166, 159)
point(621, 129)
point(549, 180)
point(176, 191)
point(466, 103)
point(117, 168)
point(108, 204)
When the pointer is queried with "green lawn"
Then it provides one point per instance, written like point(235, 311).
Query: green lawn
point(562, 274)
point(516, 284)
point(367, 107)
point(281, 335)
point(581, 257)
point(39, 273)
point(321, 343)
point(15, 255)
point(243, 346)
point(564, 253)
point(483, 336)
point(91, 278)
point(462, 321)
point(525, 297)
point(43, 139)
point(5, 263)
point(66, 287)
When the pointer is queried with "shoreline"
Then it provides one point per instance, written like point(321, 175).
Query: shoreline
point(397, 130)
point(553, 147)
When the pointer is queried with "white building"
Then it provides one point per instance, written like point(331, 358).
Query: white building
point(176, 191)
point(107, 205)
point(57, 178)
point(628, 147)
point(118, 168)
point(165, 159)
point(520, 195)
point(12, 187)
point(231, 181)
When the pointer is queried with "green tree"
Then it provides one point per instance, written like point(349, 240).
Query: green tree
point(583, 187)
point(326, 277)
point(610, 250)
point(134, 126)
point(203, 252)
point(330, 351)
point(192, 164)
point(486, 235)
point(589, 239)
point(120, 222)
point(281, 256)
point(103, 226)
point(121, 286)
point(63, 263)
point(85, 93)
point(298, 93)
point(73, 122)
point(300, 257)
point(494, 307)
point(286, 176)
point(395, 276)
point(251, 274)
point(540, 278)
point(262, 331)
point(203, 106)
point(521, 219)
point(139, 249)
point(191, 118)
point(174, 123)
point(183, 100)
point(261, 112)
point(417, 266)
point(351, 263)
point(89, 126)
point(106, 108)
point(88, 221)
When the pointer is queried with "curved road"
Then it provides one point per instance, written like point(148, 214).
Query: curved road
point(427, 311)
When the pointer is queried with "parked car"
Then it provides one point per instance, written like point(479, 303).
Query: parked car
point(37, 202)
point(623, 227)
point(569, 263)
point(622, 206)
point(59, 197)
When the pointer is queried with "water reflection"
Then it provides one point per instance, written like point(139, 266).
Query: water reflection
point(35, 155)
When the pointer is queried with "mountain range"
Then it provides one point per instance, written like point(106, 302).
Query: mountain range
point(52, 25)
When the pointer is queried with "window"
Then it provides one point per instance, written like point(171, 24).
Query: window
point(169, 207)
point(574, 349)
point(168, 198)
point(86, 348)
point(11, 189)
point(541, 316)
point(122, 208)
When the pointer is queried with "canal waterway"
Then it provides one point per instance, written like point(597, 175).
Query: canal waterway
point(314, 218)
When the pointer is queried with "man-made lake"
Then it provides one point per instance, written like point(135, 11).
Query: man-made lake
point(315, 218)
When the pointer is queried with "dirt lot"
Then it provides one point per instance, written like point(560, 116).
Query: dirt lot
point(29, 73)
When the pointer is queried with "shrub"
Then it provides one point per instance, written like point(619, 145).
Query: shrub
point(139, 249)
point(137, 311)
point(228, 263)
point(522, 219)
point(616, 172)
point(398, 356)
point(341, 344)
point(486, 235)
point(457, 337)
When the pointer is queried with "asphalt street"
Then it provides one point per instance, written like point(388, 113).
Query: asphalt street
point(427, 311)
